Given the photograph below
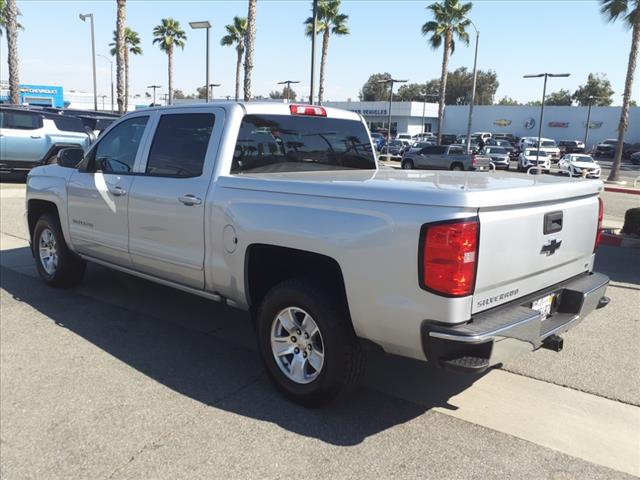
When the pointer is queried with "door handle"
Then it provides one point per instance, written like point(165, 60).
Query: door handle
point(35, 136)
point(118, 191)
point(190, 200)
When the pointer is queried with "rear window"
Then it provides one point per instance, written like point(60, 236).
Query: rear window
point(281, 143)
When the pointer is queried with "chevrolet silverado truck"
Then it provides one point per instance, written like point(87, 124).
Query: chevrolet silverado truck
point(281, 210)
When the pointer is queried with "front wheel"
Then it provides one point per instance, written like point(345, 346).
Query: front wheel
point(307, 342)
point(56, 264)
point(456, 167)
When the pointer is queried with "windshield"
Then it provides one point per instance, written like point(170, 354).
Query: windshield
point(581, 158)
point(532, 153)
point(548, 144)
point(495, 150)
point(284, 143)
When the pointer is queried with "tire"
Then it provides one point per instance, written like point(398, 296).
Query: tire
point(407, 165)
point(57, 265)
point(457, 167)
point(340, 363)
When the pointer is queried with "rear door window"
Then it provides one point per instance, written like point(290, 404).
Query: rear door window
point(22, 120)
point(282, 143)
point(180, 145)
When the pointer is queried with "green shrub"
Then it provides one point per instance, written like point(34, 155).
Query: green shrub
point(632, 221)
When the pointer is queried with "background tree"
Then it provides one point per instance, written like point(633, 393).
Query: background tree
point(330, 21)
point(508, 101)
point(374, 91)
point(534, 103)
point(10, 20)
point(561, 97)
point(597, 86)
point(449, 21)
point(3, 17)
point(629, 10)
point(120, 49)
point(410, 92)
point(202, 92)
point(236, 33)
point(131, 45)
point(276, 94)
point(633, 103)
point(250, 41)
point(169, 35)
point(460, 84)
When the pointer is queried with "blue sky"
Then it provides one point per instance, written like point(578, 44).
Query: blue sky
point(517, 37)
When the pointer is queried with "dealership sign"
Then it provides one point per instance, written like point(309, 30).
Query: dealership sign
point(559, 124)
point(593, 125)
point(381, 111)
point(503, 122)
point(529, 123)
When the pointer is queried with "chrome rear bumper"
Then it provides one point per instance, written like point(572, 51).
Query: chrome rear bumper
point(492, 337)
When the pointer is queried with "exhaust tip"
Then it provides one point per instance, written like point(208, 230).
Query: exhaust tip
point(553, 342)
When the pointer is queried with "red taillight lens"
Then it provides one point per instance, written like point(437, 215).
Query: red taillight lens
point(599, 231)
point(473, 160)
point(449, 257)
point(308, 110)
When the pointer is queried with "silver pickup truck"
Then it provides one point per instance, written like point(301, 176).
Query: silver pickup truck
point(281, 210)
point(445, 157)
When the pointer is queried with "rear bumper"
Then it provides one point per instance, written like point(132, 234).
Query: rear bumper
point(494, 336)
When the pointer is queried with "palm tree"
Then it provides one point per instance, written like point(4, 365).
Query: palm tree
point(449, 20)
point(9, 21)
point(168, 35)
point(131, 45)
point(250, 41)
point(630, 11)
point(330, 21)
point(120, 55)
point(236, 33)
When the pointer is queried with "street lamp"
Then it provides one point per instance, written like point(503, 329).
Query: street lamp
point(391, 81)
point(544, 93)
point(473, 89)
point(591, 98)
point(288, 84)
point(111, 73)
point(155, 87)
point(210, 88)
point(103, 97)
point(313, 50)
point(83, 17)
point(424, 104)
point(198, 25)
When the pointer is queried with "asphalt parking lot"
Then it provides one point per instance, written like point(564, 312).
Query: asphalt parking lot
point(123, 378)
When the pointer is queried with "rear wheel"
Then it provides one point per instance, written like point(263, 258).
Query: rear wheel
point(407, 164)
point(56, 264)
point(457, 167)
point(307, 343)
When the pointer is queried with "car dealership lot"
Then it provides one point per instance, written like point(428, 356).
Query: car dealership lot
point(122, 378)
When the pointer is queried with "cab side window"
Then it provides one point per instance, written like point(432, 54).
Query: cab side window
point(21, 120)
point(180, 145)
point(116, 151)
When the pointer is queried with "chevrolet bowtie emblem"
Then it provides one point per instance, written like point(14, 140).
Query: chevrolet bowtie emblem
point(550, 247)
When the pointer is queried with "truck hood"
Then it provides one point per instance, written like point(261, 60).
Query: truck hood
point(435, 188)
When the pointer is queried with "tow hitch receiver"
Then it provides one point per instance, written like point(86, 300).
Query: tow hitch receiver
point(553, 342)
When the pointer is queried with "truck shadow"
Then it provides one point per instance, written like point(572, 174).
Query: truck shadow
point(619, 263)
point(205, 351)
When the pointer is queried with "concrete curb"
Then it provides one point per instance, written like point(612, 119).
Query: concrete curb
point(633, 191)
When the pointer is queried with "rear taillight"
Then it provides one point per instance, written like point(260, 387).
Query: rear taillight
point(448, 257)
point(473, 160)
point(308, 110)
point(599, 231)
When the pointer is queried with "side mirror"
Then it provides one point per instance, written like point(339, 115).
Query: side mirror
point(70, 157)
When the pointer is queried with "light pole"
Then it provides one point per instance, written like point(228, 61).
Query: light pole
point(155, 87)
point(206, 25)
point(313, 50)
point(424, 104)
point(473, 89)
point(103, 97)
point(210, 90)
point(586, 130)
point(111, 74)
point(288, 84)
point(83, 17)
point(544, 93)
point(165, 97)
point(390, 81)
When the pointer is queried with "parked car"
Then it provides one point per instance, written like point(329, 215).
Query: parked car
point(405, 136)
point(32, 137)
point(499, 156)
point(448, 139)
point(280, 210)
point(635, 158)
point(547, 145)
point(630, 149)
point(570, 146)
point(425, 137)
point(445, 157)
point(576, 164)
point(462, 140)
point(606, 149)
point(531, 157)
point(509, 137)
point(419, 146)
point(483, 135)
point(378, 140)
point(395, 148)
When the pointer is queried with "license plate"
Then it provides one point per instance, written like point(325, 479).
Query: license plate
point(543, 305)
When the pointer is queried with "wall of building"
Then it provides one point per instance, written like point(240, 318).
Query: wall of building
point(560, 123)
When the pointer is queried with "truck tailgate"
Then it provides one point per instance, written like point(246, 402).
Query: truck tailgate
point(516, 257)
